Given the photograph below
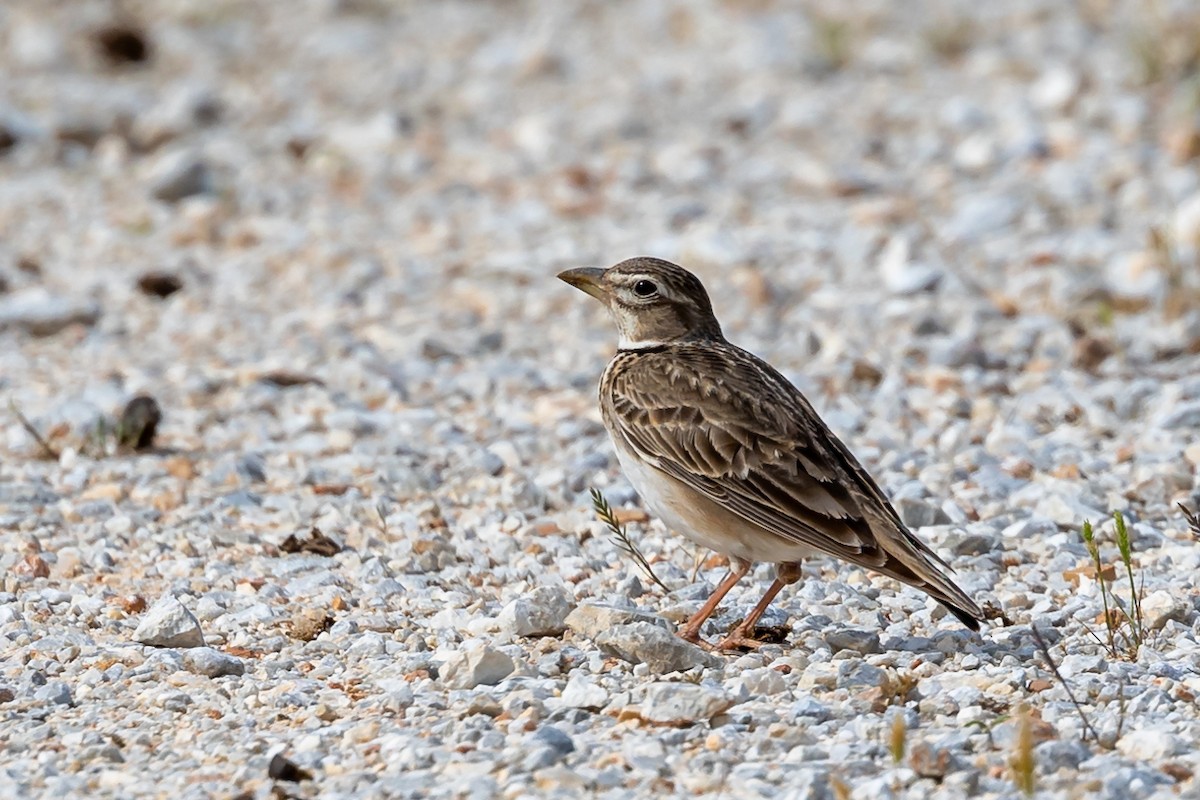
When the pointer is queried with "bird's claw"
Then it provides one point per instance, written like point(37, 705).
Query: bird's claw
point(738, 641)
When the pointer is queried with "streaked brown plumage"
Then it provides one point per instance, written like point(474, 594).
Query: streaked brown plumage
point(728, 453)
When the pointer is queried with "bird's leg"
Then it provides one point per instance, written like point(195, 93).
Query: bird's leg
point(690, 632)
point(743, 635)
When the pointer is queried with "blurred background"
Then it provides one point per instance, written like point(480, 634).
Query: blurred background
point(376, 195)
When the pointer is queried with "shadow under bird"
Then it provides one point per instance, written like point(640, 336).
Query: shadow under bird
point(730, 454)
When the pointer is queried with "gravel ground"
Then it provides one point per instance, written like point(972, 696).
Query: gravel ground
point(360, 552)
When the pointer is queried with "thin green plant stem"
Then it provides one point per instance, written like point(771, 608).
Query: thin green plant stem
point(1089, 538)
point(621, 537)
point(1126, 549)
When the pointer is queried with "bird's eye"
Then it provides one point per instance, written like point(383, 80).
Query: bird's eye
point(644, 288)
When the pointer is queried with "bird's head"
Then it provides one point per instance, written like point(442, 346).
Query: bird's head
point(653, 302)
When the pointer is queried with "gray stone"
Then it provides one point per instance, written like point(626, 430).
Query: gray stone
point(476, 665)
point(1151, 744)
point(581, 692)
point(178, 175)
point(1055, 89)
point(971, 544)
point(981, 214)
point(1184, 415)
point(543, 612)
point(860, 675)
point(657, 648)
point(919, 514)
point(808, 707)
point(555, 739)
point(900, 274)
point(41, 314)
point(1053, 756)
point(1078, 663)
point(55, 692)
point(675, 703)
point(860, 641)
point(169, 624)
point(1160, 607)
point(212, 663)
point(593, 619)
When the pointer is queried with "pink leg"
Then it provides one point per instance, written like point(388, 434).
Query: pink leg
point(691, 631)
point(743, 635)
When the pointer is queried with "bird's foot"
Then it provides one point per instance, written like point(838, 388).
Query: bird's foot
point(737, 641)
point(693, 637)
point(741, 638)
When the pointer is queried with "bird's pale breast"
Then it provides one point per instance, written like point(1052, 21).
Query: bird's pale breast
point(700, 519)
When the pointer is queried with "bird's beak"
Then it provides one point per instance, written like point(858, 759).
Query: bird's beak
point(586, 279)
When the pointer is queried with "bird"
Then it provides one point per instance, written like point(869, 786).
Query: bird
point(728, 453)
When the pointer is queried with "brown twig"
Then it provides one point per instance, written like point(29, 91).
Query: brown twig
point(1087, 726)
point(1193, 520)
point(49, 451)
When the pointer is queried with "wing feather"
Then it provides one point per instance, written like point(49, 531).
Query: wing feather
point(725, 423)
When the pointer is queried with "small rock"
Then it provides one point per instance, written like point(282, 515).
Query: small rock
point(122, 44)
point(919, 514)
point(659, 649)
point(169, 624)
point(159, 284)
point(859, 641)
point(1186, 223)
point(212, 663)
point(819, 674)
point(971, 544)
point(555, 739)
point(1055, 89)
point(1135, 276)
point(900, 274)
point(982, 214)
point(593, 619)
point(975, 153)
point(1160, 607)
point(1053, 756)
point(55, 692)
point(543, 612)
point(808, 707)
point(763, 681)
point(1150, 745)
point(1184, 415)
point(476, 665)
point(857, 674)
point(178, 175)
point(555, 781)
point(1078, 663)
point(41, 314)
point(32, 566)
point(309, 623)
point(930, 761)
point(581, 692)
point(1065, 509)
point(676, 703)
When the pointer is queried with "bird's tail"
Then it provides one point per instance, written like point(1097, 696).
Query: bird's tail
point(927, 577)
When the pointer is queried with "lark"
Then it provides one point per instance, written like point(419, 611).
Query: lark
point(727, 452)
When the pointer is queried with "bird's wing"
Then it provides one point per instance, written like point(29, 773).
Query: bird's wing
point(719, 425)
point(727, 424)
